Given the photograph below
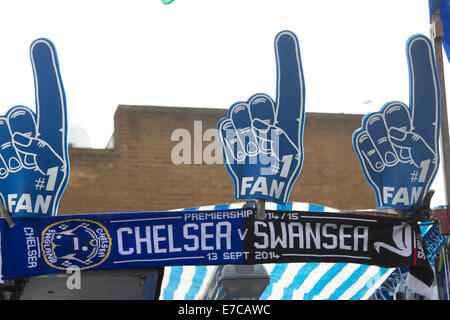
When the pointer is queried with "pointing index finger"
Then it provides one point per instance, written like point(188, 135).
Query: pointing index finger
point(290, 85)
point(49, 91)
point(424, 89)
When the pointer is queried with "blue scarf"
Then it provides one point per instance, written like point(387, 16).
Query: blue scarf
point(36, 246)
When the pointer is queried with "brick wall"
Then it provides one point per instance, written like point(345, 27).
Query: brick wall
point(138, 174)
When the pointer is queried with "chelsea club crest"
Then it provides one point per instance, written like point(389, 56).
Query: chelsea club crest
point(75, 242)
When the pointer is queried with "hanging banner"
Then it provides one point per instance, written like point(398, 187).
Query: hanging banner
point(262, 139)
point(148, 239)
point(34, 164)
point(398, 147)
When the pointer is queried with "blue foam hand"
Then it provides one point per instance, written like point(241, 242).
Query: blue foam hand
point(262, 139)
point(398, 146)
point(34, 165)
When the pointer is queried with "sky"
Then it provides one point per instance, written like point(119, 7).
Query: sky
point(207, 53)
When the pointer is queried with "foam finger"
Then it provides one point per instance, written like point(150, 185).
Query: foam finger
point(424, 88)
point(3, 168)
point(377, 131)
point(50, 97)
point(290, 91)
point(367, 152)
point(262, 108)
point(240, 118)
point(9, 154)
point(263, 133)
point(21, 120)
point(397, 116)
point(232, 146)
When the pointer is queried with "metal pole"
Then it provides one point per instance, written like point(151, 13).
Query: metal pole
point(446, 272)
point(260, 210)
point(437, 33)
point(5, 214)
